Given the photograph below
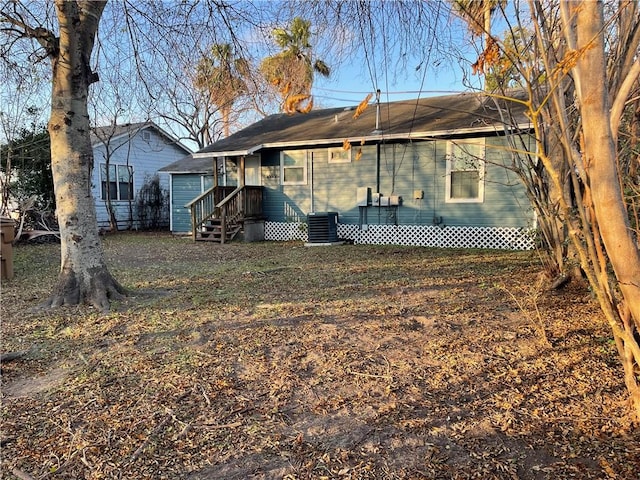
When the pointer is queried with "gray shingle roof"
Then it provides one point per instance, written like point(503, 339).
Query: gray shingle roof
point(109, 133)
point(98, 134)
point(190, 164)
point(430, 117)
point(425, 117)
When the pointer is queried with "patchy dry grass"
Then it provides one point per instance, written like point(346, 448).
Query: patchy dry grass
point(279, 361)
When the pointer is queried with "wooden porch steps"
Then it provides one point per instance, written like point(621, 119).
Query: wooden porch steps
point(218, 214)
point(211, 231)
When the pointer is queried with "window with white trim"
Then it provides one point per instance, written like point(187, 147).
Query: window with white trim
point(339, 155)
point(465, 171)
point(119, 182)
point(293, 167)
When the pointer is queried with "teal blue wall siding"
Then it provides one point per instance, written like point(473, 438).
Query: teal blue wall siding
point(335, 185)
point(283, 203)
point(405, 170)
point(505, 202)
point(185, 187)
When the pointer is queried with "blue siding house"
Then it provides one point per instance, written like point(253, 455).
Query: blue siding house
point(126, 157)
point(433, 172)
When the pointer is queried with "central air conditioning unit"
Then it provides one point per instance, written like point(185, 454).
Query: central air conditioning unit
point(323, 227)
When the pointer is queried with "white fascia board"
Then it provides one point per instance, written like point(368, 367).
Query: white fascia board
point(439, 133)
point(231, 153)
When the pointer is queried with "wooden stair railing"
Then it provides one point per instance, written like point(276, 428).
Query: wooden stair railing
point(227, 207)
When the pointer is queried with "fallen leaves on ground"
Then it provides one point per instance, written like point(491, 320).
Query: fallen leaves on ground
point(273, 360)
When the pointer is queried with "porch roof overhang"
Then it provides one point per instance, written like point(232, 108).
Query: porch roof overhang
point(189, 165)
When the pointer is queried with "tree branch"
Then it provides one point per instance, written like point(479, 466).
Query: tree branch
point(619, 102)
point(43, 36)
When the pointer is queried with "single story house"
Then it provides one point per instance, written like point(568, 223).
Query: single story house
point(126, 159)
point(431, 171)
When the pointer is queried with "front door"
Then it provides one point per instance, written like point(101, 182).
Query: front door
point(252, 174)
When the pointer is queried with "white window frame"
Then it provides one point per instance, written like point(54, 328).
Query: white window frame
point(339, 155)
point(117, 167)
point(452, 146)
point(284, 167)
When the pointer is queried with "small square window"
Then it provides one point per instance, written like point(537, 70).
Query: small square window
point(339, 155)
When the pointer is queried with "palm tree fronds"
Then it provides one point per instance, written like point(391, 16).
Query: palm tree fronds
point(291, 71)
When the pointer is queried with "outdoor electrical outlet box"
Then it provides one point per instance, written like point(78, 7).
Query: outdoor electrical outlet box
point(418, 194)
point(363, 196)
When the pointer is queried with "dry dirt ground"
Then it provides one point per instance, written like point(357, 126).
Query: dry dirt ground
point(279, 361)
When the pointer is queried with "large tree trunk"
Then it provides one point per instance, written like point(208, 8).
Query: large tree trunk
point(603, 177)
point(84, 277)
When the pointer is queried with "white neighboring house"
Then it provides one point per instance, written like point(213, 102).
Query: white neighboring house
point(125, 158)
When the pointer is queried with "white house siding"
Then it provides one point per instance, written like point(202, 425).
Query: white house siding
point(146, 156)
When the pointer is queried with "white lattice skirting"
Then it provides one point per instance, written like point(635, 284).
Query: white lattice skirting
point(417, 235)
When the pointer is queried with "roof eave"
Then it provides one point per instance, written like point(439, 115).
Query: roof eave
point(378, 137)
point(133, 132)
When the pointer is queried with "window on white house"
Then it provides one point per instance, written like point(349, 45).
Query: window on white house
point(119, 182)
point(339, 155)
point(293, 167)
point(465, 171)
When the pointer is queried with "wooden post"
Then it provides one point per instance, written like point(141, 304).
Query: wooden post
point(223, 224)
point(215, 172)
point(193, 222)
point(241, 179)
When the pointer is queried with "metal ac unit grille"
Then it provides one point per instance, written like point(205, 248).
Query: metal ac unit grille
point(323, 227)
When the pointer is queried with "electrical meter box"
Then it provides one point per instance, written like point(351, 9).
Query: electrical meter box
point(375, 199)
point(395, 200)
point(363, 196)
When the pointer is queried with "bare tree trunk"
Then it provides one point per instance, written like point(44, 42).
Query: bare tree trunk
point(600, 160)
point(84, 276)
point(113, 221)
point(5, 181)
